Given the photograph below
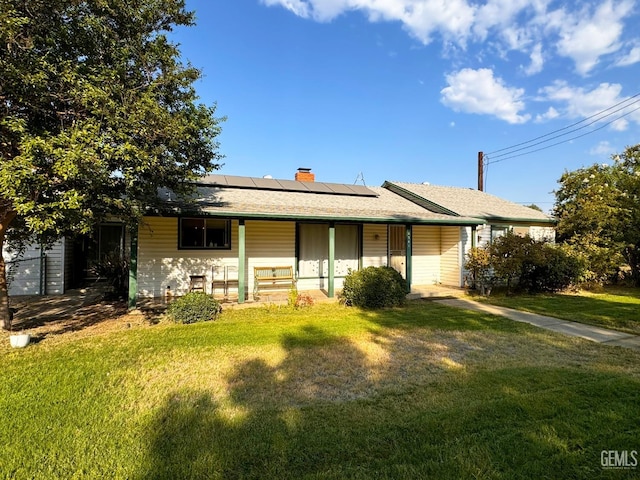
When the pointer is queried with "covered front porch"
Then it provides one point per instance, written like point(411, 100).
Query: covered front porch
point(319, 253)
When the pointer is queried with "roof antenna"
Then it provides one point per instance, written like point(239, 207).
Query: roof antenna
point(360, 177)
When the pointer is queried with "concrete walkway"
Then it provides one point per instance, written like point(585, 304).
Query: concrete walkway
point(574, 329)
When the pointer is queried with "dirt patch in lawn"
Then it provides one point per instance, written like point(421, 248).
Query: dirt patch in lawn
point(77, 313)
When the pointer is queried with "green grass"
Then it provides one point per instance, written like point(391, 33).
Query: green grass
point(329, 392)
point(614, 308)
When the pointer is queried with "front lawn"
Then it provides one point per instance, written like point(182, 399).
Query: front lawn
point(614, 308)
point(328, 392)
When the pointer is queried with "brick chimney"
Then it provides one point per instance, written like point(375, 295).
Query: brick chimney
point(305, 175)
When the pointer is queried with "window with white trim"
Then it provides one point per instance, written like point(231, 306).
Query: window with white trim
point(498, 231)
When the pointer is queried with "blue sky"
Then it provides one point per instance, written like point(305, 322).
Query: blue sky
point(411, 90)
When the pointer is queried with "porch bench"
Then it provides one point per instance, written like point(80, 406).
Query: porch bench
point(272, 278)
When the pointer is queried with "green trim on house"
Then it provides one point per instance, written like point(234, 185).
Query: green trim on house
point(409, 256)
point(133, 269)
point(242, 259)
point(332, 259)
point(296, 259)
point(454, 222)
point(525, 222)
point(360, 247)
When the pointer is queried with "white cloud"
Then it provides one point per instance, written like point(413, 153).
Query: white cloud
point(602, 149)
point(587, 35)
point(537, 61)
point(632, 57)
point(620, 125)
point(421, 18)
point(298, 7)
point(582, 31)
point(478, 91)
point(579, 102)
point(548, 115)
point(502, 17)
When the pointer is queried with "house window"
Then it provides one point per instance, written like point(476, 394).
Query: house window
point(110, 240)
point(497, 231)
point(205, 233)
point(521, 231)
point(313, 251)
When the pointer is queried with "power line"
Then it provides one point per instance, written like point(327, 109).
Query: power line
point(564, 141)
point(597, 116)
point(571, 131)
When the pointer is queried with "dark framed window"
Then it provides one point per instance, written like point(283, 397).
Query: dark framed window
point(204, 233)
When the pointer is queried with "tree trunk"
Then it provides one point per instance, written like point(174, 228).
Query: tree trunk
point(6, 217)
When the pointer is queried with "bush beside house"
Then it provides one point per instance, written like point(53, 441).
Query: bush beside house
point(374, 287)
point(523, 263)
point(194, 307)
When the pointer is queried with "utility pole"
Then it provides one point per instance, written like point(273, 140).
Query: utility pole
point(481, 171)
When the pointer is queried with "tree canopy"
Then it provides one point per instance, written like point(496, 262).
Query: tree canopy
point(98, 112)
point(598, 209)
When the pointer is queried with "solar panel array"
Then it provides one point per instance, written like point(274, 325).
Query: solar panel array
point(286, 185)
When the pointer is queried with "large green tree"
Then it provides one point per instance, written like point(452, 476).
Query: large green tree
point(598, 209)
point(98, 112)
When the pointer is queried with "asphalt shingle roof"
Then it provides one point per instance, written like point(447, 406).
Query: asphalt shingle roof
point(214, 196)
point(471, 203)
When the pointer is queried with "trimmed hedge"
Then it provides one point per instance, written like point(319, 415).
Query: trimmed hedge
point(194, 307)
point(374, 287)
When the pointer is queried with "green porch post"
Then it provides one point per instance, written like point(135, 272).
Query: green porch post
point(242, 282)
point(133, 269)
point(332, 259)
point(409, 256)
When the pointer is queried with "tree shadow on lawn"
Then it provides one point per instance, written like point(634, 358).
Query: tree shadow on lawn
point(46, 316)
point(400, 405)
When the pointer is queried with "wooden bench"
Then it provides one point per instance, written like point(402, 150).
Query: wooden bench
point(272, 278)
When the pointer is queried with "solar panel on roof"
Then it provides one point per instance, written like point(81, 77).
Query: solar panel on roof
point(286, 185)
point(235, 181)
point(213, 180)
point(340, 189)
point(267, 183)
point(293, 186)
point(319, 187)
point(362, 190)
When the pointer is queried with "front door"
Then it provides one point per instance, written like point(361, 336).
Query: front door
point(398, 248)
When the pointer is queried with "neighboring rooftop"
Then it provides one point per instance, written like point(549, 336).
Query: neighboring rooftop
point(466, 202)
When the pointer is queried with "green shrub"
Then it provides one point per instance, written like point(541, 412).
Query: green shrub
point(478, 264)
point(374, 287)
point(553, 269)
point(194, 307)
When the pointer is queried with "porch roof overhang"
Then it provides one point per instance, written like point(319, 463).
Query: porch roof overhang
point(541, 222)
point(399, 219)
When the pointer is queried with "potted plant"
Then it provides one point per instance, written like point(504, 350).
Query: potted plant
point(17, 340)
